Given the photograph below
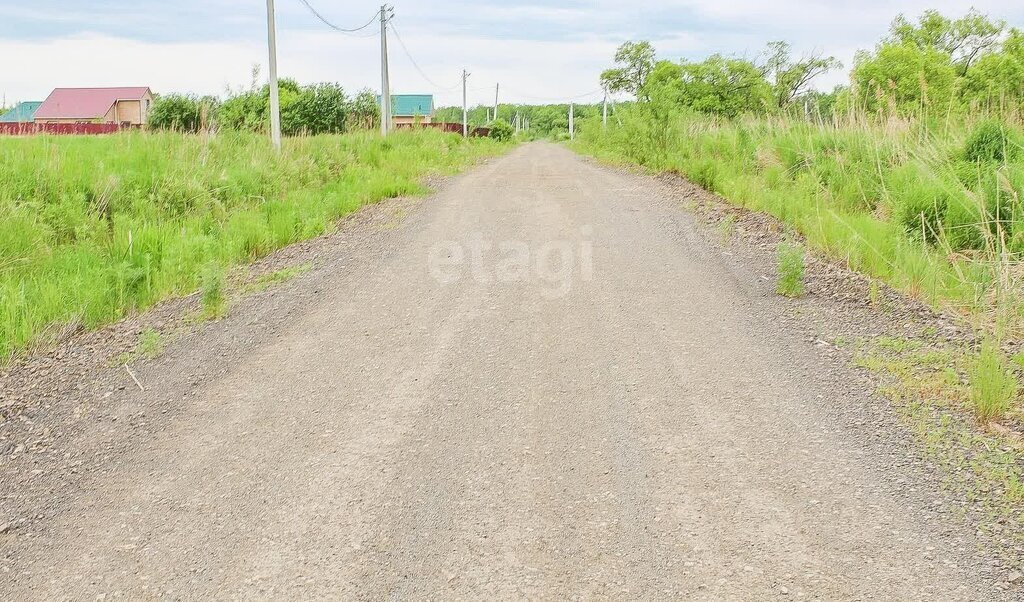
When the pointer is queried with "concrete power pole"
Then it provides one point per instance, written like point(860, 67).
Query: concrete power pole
point(604, 111)
point(385, 82)
point(275, 99)
point(496, 86)
point(572, 123)
point(465, 108)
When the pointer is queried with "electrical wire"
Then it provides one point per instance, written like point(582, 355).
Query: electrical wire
point(560, 98)
point(335, 27)
point(408, 54)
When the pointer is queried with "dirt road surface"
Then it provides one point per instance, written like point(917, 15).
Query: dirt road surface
point(541, 382)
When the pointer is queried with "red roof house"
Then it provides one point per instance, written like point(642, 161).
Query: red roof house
point(96, 105)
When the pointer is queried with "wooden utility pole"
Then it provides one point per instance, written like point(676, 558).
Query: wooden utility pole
point(275, 99)
point(385, 82)
point(465, 108)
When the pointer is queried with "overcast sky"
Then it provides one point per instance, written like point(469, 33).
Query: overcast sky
point(539, 52)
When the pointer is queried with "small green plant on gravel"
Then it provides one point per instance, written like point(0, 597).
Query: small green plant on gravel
point(274, 278)
point(791, 270)
point(213, 293)
point(993, 386)
point(150, 343)
point(727, 227)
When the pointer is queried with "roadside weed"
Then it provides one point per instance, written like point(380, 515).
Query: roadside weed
point(726, 227)
point(150, 343)
point(993, 386)
point(790, 258)
point(213, 294)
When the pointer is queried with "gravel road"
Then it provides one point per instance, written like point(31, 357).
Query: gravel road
point(540, 382)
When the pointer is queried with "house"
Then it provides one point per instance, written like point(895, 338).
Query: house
point(125, 106)
point(407, 109)
point(23, 112)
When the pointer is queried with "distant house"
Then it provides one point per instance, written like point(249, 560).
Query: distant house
point(411, 108)
point(23, 112)
point(126, 106)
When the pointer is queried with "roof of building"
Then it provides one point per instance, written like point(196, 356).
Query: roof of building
point(85, 103)
point(411, 105)
point(23, 112)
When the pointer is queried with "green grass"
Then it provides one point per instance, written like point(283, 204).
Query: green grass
point(95, 228)
point(993, 385)
point(790, 270)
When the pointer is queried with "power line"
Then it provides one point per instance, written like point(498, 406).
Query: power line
point(408, 54)
point(335, 27)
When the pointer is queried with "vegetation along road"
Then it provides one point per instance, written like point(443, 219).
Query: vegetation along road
point(548, 379)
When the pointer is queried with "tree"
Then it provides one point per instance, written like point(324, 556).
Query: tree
point(904, 77)
point(790, 78)
point(635, 61)
point(964, 40)
point(998, 77)
point(724, 86)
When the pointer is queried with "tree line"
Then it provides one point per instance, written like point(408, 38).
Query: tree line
point(322, 108)
point(934, 64)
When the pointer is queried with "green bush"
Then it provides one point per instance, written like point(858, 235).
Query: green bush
point(501, 130)
point(990, 141)
point(314, 109)
point(183, 113)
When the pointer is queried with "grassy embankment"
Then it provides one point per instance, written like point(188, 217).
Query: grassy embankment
point(94, 228)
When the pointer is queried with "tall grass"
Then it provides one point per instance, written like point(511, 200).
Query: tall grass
point(993, 385)
point(92, 228)
point(934, 209)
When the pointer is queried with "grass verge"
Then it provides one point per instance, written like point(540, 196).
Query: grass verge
point(95, 228)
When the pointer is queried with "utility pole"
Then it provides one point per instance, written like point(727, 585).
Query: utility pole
point(275, 99)
point(465, 108)
point(604, 111)
point(496, 86)
point(385, 82)
point(572, 123)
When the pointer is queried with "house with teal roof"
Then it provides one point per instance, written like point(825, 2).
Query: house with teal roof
point(411, 108)
point(23, 112)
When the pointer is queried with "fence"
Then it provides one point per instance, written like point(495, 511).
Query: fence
point(448, 127)
point(29, 129)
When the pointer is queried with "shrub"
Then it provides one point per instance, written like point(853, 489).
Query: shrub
point(182, 113)
point(706, 175)
point(791, 270)
point(919, 200)
point(993, 387)
point(990, 141)
point(501, 130)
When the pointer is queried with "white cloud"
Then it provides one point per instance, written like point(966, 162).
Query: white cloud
point(538, 52)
